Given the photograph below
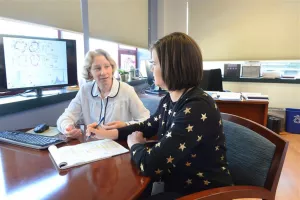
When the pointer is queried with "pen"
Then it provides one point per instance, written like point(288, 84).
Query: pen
point(99, 124)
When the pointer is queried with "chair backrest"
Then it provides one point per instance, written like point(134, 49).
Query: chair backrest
point(249, 155)
point(255, 154)
point(243, 138)
point(212, 80)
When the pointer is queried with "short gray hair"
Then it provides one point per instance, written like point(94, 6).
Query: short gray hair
point(89, 58)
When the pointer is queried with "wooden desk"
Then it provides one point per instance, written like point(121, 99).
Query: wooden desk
point(254, 110)
point(31, 174)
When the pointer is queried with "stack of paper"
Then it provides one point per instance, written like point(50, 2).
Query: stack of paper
point(226, 96)
point(254, 97)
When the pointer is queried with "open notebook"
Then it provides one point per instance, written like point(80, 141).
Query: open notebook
point(70, 156)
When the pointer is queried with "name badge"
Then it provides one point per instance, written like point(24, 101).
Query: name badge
point(158, 187)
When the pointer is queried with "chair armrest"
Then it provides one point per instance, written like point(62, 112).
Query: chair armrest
point(229, 193)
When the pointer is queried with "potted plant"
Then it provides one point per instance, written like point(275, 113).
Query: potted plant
point(123, 74)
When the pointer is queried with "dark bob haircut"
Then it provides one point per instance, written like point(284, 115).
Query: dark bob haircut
point(180, 59)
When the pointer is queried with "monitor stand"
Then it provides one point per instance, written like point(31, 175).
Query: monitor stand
point(155, 90)
point(35, 93)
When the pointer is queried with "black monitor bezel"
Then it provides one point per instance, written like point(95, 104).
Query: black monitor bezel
point(71, 69)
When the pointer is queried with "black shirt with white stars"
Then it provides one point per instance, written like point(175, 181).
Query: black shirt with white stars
point(190, 154)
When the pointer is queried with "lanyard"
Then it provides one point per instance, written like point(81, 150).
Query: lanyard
point(103, 118)
point(100, 91)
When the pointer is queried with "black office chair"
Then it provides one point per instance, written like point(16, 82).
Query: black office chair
point(212, 80)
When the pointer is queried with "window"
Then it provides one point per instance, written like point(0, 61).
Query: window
point(143, 57)
point(79, 51)
point(12, 27)
point(127, 57)
point(110, 47)
point(127, 47)
point(286, 68)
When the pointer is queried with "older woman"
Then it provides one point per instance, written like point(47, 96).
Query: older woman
point(102, 99)
point(190, 154)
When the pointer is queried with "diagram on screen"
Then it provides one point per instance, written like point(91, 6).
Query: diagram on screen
point(20, 45)
point(35, 60)
point(46, 58)
point(35, 54)
point(57, 77)
point(34, 46)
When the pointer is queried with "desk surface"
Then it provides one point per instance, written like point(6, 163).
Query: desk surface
point(32, 174)
point(254, 110)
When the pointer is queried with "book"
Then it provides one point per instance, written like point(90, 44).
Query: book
point(71, 156)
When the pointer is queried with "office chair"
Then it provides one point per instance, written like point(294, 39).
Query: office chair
point(212, 80)
point(255, 158)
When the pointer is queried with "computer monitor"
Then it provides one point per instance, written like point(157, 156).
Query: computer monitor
point(150, 79)
point(36, 63)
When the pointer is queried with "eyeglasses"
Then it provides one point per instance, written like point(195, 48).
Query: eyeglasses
point(151, 64)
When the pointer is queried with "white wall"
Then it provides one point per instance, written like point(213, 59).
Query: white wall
point(281, 95)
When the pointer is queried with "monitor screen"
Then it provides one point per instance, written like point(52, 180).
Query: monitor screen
point(27, 62)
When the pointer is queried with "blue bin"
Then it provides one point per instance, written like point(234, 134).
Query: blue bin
point(292, 123)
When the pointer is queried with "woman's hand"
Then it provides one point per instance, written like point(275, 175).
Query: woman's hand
point(96, 131)
point(114, 125)
point(134, 138)
point(72, 132)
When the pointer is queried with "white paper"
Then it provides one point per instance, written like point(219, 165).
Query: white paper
point(56, 156)
point(228, 96)
point(85, 152)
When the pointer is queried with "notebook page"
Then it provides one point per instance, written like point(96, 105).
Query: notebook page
point(89, 152)
point(107, 147)
point(71, 156)
point(101, 149)
point(56, 156)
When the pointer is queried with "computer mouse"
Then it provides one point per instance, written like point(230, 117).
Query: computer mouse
point(41, 128)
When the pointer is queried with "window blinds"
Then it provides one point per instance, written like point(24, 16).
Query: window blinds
point(122, 21)
point(246, 29)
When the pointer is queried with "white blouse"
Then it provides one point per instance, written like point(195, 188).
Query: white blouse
point(122, 104)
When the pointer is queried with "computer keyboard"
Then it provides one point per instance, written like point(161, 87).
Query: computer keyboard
point(28, 140)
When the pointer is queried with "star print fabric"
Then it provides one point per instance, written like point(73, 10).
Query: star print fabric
point(190, 155)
